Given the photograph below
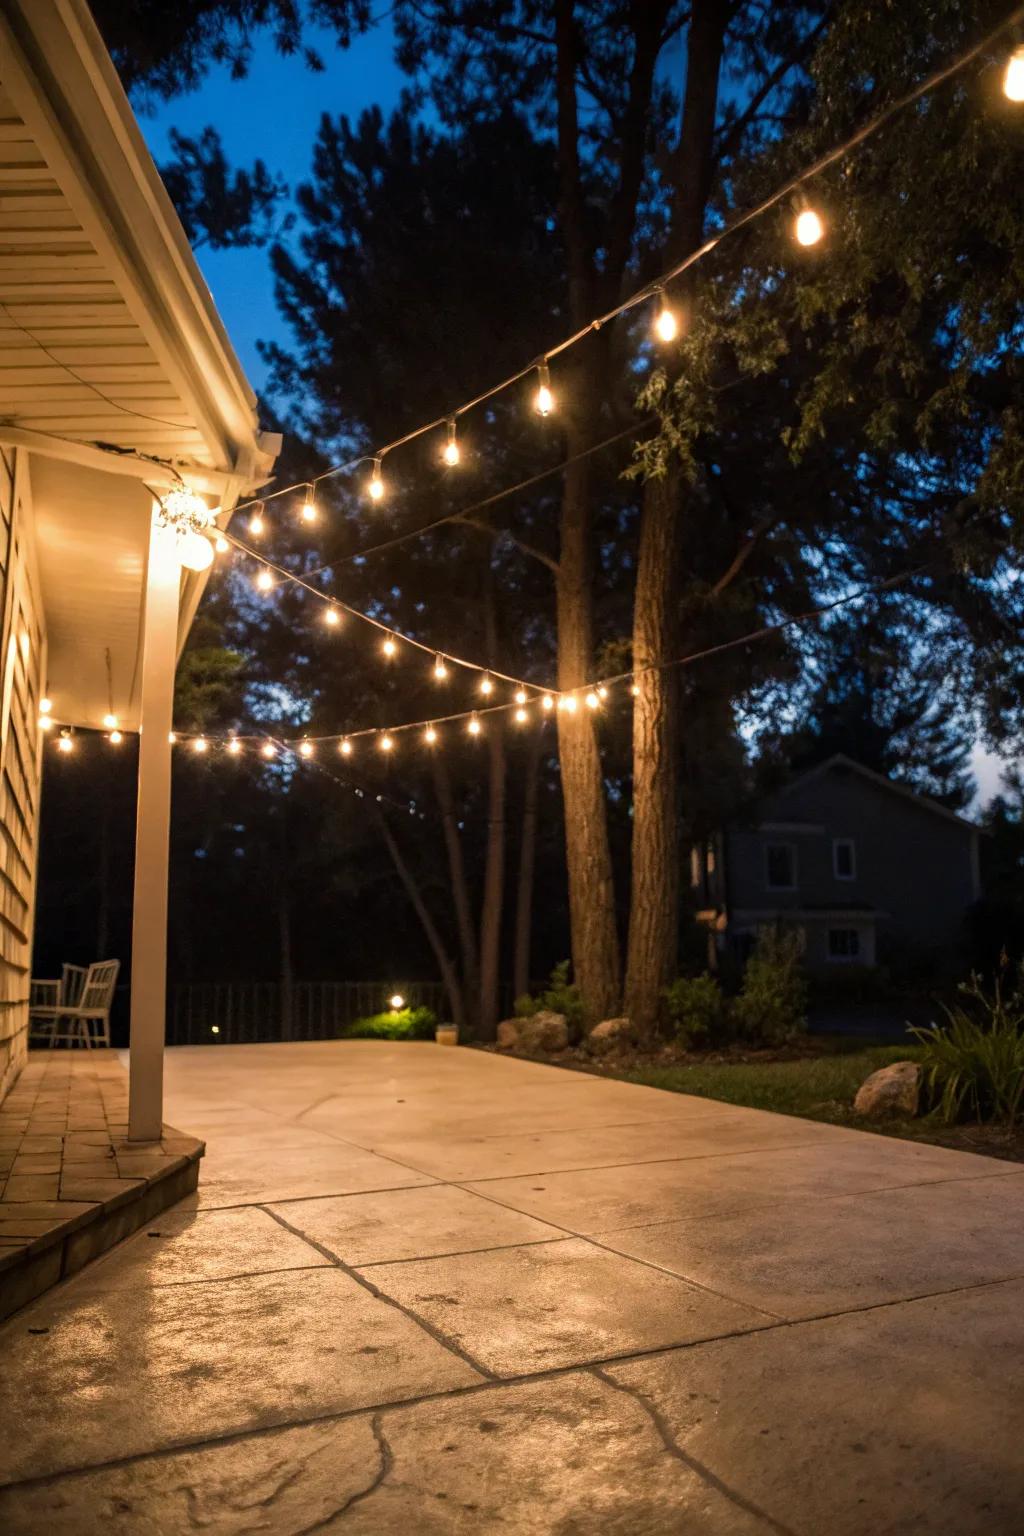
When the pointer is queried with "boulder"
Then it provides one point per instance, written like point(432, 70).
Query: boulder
point(609, 1035)
point(893, 1090)
point(542, 1031)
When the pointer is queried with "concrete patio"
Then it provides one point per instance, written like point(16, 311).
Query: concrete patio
point(431, 1291)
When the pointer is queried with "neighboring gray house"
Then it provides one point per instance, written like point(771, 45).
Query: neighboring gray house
point(863, 866)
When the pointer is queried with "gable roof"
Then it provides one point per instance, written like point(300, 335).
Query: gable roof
point(840, 760)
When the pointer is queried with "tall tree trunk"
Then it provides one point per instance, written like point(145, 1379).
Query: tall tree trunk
point(445, 964)
point(527, 862)
point(457, 875)
point(654, 906)
point(494, 864)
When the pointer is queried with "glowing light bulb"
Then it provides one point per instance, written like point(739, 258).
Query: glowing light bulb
point(520, 695)
point(570, 703)
point(808, 227)
point(171, 738)
point(234, 746)
point(547, 702)
point(430, 735)
point(386, 743)
point(635, 690)
point(199, 745)
point(345, 747)
point(440, 670)
point(332, 618)
point(486, 686)
point(110, 722)
point(474, 726)
point(221, 544)
point(268, 750)
point(115, 738)
point(306, 749)
point(45, 706)
point(376, 486)
point(451, 448)
point(389, 647)
point(544, 400)
point(521, 715)
point(45, 723)
point(65, 744)
point(666, 326)
point(397, 1001)
point(1013, 80)
point(309, 513)
point(195, 551)
point(265, 581)
point(257, 524)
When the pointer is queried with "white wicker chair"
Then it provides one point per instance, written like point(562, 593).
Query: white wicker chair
point(93, 1008)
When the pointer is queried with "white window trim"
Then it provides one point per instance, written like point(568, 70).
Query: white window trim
point(775, 843)
point(852, 845)
point(858, 958)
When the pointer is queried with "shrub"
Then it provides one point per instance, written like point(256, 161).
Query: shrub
point(396, 1024)
point(974, 1064)
point(697, 1009)
point(559, 996)
point(772, 1004)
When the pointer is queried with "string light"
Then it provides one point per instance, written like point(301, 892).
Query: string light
point(569, 703)
point(195, 552)
point(808, 228)
point(547, 702)
point(309, 513)
point(474, 726)
point(110, 722)
point(332, 618)
point(451, 447)
point(268, 750)
point(64, 742)
point(115, 738)
point(306, 749)
point(602, 691)
point(521, 715)
point(234, 746)
point(386, 742)
point(376, 486)
point(544, 400)
point(520, 695)
point(486, 685)
point(1013, 80)
point(45, 723)
point(345, 747)
point(199, 744)
point(389, 646)
point(430, 736)
point(592, 700)
point(257, 525)
point(171, 738)
point(265, 581)
point(666, 326)
point(45, 706)
point(440, 670)
point(221, 544)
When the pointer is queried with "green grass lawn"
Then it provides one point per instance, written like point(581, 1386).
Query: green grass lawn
point(818, 1087)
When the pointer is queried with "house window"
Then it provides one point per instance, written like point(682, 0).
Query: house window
point(780, 866)
point(843, 944)
point(844, 858)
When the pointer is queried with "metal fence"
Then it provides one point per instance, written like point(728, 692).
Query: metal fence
point(229, 1012)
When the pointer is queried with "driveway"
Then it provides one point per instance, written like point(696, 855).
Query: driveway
point(438, 1291)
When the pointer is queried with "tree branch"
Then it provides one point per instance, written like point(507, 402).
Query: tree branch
point(503, 533)
point(742, 555)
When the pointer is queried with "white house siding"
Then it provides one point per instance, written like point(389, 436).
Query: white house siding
point(23, 657)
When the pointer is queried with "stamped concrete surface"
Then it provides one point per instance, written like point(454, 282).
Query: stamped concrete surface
point(426, 1290)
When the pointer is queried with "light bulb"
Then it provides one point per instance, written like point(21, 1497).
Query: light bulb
point(486, 685)
point(256, 524)
point(547, 702)
point(345, 747)
point(430, 735)
point(397, 1001)
point(309, 506)
point(306, 749)
point(234, 746)
point(451, 448)
point(602, 691)
point(110, 722)
point(570, 703)
point(520, 695)
point(474, 727)
point(45, 706)
point(635, 690)
point(115, 738)
point(376, 486)
point(544, 400)
point(389, 647)
point(521, 715)
point(1013, 80)
point(171, 738)
point(265, 581)
point(592, 700)
point(195, 551)
point(221, 544)
point(666, 326)
point(65, 744)
point(808, 228)
point(440, 670)
point(199, 745)
point(332, 618)
point(386, 743)
point(268, 749)
point(45, 723)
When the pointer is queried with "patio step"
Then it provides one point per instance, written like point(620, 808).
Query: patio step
point(71, 1184)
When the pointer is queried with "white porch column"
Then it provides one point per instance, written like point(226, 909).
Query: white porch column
point(152, 838)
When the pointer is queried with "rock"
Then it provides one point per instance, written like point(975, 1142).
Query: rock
point(543, 1031)
point(609, 1035)
point(893, 1090)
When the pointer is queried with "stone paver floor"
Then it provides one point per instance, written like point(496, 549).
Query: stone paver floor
point(432, 1291)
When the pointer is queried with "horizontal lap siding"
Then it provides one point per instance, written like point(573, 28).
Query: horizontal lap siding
point(22, 659)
